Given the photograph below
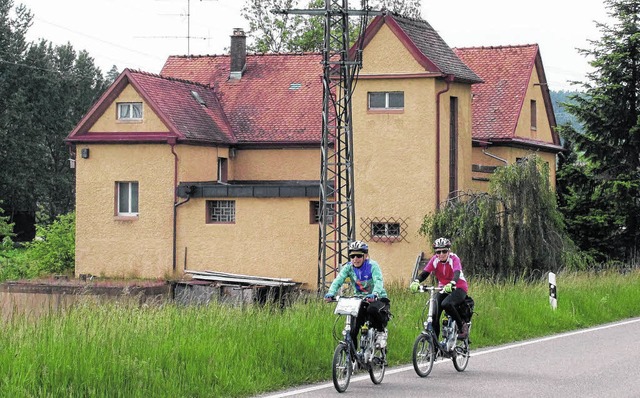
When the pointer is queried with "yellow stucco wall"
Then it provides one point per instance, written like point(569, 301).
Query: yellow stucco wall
point(542, 132)
point(386, 55)
point(271, 237)
point(108, 122)
point(106, 245)
point(277, 164)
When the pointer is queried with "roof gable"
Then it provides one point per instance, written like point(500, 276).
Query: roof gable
point(425, 44)
point(176, 103)
point(497, 104)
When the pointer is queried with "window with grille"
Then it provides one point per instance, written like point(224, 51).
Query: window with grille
point(389, 229)
point(386, 100)
point(314, 210)
point(385, 230)
point(130, 111)
point(221, 211)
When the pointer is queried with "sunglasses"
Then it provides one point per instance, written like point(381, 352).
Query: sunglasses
point(442, 251)
point(356, 255)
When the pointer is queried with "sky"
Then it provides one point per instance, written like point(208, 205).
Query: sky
point(141, 34)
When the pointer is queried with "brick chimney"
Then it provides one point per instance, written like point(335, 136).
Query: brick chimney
point(238, 53)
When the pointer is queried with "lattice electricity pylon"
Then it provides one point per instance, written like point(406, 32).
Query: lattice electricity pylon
point(337, 196)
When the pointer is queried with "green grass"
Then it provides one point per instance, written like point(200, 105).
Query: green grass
point(126, 350)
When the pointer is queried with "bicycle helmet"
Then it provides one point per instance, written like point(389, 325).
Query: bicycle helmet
point(441, 243)
point(358, 246)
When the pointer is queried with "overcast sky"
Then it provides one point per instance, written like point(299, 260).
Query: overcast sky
point(141, 34)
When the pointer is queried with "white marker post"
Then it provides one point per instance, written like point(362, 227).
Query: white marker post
point(553, 298)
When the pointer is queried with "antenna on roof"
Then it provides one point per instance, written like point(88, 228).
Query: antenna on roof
point(188, 36)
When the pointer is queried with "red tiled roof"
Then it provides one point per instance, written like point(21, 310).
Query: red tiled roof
point(498, 102)
point(277, 100)
point(177, 103)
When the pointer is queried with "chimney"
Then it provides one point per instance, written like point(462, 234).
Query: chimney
point(238, 53)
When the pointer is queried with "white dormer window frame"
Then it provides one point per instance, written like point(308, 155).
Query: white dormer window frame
point(129, 110)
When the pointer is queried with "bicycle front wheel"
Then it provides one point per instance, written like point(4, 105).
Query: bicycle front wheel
point(424, 353)
point(378, 365)
point(461, 355)
point(341, 368)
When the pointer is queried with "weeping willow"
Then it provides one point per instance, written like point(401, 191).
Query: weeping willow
point(513, 232)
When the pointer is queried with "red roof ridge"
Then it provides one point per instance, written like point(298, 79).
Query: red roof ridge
point(496, 47)
point(169, 78)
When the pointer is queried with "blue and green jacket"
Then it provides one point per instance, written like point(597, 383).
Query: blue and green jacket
point(365, 280)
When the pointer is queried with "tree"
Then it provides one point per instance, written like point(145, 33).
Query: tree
point(44, 92)
point(601, 181)
point(281, 32)
point(514, 231)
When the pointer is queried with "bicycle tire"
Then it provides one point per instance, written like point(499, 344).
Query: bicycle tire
point(378, 366)
point(461, 355)
point(424, 354)
point(341, 368)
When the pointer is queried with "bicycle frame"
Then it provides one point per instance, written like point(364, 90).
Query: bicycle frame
point(427, 348)
point(371, 356)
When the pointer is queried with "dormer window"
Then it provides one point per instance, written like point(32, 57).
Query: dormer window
point(129, 111)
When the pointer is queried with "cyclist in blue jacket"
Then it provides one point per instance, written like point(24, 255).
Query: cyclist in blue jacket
point(366, 279)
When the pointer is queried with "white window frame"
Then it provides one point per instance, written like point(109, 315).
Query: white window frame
point(129, 110)
point(221, 211)
point(387, 99)
point(128, 198)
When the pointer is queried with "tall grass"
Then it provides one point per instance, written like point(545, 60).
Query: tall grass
point(168, 350)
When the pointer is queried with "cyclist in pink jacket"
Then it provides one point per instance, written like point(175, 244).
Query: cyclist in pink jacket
point(448, 270)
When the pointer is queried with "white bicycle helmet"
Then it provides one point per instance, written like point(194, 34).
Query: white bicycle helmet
point(358, 246)
point(442, 243)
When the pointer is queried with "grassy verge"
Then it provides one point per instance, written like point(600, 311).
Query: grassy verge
point(126, 350)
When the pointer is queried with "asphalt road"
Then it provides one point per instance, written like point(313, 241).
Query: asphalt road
point(602, 361)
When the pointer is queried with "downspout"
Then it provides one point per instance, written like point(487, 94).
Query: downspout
point(484, 150)
point(172, 142)
point(447, 79)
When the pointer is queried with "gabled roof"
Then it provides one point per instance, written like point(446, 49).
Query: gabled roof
point(190, 111)
point(497, 104)
point(425, 44)
point(278, 99)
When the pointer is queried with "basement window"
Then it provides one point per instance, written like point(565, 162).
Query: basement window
point(314, 210)
point(221, 212)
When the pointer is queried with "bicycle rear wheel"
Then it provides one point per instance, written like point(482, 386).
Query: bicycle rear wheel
point(341, 368)
point(424, 353)
point(378, 365)
point(461, 355)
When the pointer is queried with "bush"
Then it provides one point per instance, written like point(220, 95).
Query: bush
point(53, 249)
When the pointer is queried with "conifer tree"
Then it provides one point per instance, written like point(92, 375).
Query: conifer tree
point(600, 184)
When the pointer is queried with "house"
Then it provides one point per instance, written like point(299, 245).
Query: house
point(214, 164)
point(512, 111)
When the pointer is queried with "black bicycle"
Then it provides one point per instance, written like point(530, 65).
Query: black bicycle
point(372, 354)
point(427, 348)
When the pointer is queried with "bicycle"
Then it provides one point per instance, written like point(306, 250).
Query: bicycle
point(427, 348)
point(372, 354)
